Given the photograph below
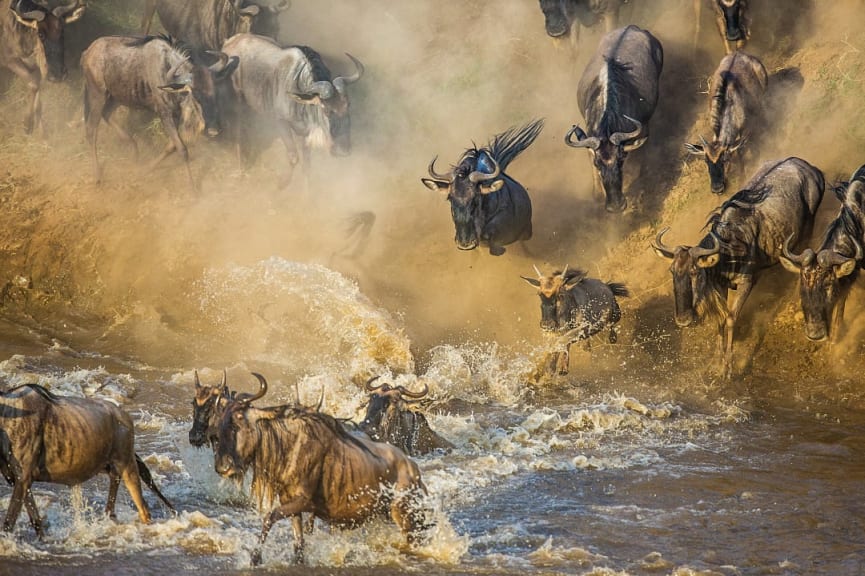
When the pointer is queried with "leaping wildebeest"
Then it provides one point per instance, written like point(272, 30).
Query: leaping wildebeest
point(67, 440)
point(617, 95)
point(293, 89)
point(207, 24)
point(563, 17)
point(827, 275)
point(746, 235)
point(488, 206)
point(390, 418)
point(155, 73)
point(575, 307)
point(310, 463)
point(735, 105)
point(32, 47)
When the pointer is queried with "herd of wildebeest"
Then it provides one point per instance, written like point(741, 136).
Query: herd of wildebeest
point(221, 63)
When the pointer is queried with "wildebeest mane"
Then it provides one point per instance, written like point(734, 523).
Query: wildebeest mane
point(619, 87)
point(316, 69)
point(719, 99)
point(571, 274)
point(179, 46)
point(41, 390)
point(847, 228)
point(510, 143)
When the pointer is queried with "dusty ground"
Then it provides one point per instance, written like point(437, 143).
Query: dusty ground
point(106, 266)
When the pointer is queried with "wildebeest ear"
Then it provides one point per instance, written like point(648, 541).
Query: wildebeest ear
point(176, 88)
point(789, 265)
point(533, 281)
point(495, 186)
point(845, 269)
point(708, 261)
point(634, 144)
point(439, 185)
point(695, 149)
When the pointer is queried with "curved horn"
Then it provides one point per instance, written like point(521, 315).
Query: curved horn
point(830, 258)
point(564, 272)
point(698, 251)
point(224, 385)
point(582, 142)
point(436, 175)
point(261, 390)
point(219, 65)
point(323, 89)
point(538, 272)
point(69, 13)
point(409, 394)
point(368, 386)
point(197, 381)
point(658, 244)
point(340, 82)
point(477, 176)
point(320, 400)
point(618, 137)
point(795, 258)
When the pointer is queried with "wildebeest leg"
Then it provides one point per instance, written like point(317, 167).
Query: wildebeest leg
point(291, 509)
point(113, 485)
point(108, 116)
point(175, 143)
point(33, 79)
point(742, 291)
point(292, 146)
point(133, 485)
point(407, 514)
point(93, 106)
point(21, 493)
point(147, 19)
point(29, 501)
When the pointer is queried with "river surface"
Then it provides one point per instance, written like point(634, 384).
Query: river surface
point(566, 479)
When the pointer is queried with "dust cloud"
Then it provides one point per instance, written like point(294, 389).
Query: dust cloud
point(116, 266)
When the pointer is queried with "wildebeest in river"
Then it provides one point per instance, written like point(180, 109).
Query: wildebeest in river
point(488, 206)
point(575, 307)
point(67, 440)
point(746, 235)
point(617, 95)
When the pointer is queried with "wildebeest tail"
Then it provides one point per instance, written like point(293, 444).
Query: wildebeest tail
point(147, 478)
point(508, 145)
point(619, 289)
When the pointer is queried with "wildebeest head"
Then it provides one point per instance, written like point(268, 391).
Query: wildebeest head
point(733, 13)
point(201, 82)
point(476, 174)
point(819, 284)
point(556, 18)
point(608, 156)
point(385, 405)
point(331, 99)
point(239, 435)
point(49, 26)
point(557, 304)
point(689, 267)
point(266, 18)
point(718, 157)
point(209, 401)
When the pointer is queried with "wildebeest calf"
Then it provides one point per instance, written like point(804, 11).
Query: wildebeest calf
point(66, 440)
point(576, 307)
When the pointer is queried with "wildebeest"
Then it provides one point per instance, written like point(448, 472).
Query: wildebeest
point(66, 440)
point(563, 17)
point(735, 105)
point(746, 235)
point(31, 46)
point(209, 404)
point(734, 22)
point(312, 464)
point(488, 206)
point(293, 89)
point(826, 277)
point(617, 95)
point(390, 418)
point(155, 73)
point(207, 24)
point(576, 307)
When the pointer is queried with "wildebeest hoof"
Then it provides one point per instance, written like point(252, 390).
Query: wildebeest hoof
point(614, 337)
point(497, 250)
